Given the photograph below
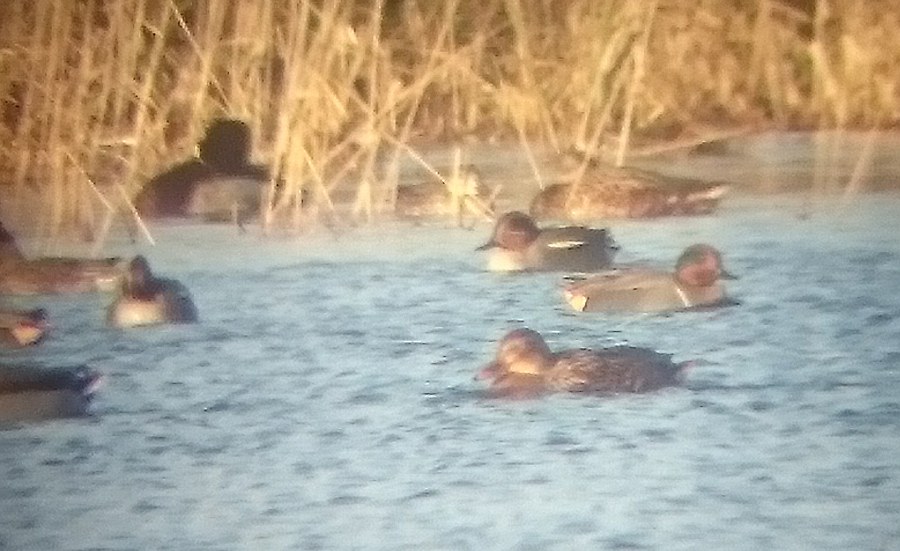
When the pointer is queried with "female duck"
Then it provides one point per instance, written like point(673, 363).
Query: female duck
point(517, 244)
point(148, 300)
point(22, 328)
point(35, 393)
point(695, 283)
point(525, 365)
point(460, 195)
point(51, 275)
point(610, 192)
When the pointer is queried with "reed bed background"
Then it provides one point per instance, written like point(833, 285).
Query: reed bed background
point(98, 95)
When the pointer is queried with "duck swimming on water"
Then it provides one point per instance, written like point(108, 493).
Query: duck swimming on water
point(30, 393)
point(609, 192)
point(696, 282)
point(145, 299)
point(517, 244)
point(524, 365)
point(52, 275)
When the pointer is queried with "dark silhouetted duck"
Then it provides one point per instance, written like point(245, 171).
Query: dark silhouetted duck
point(29, 393)
point(22, 328)
point(695, 283)
point(608, 192)
point(464, 194)
point(525, 365)
point(148, 300)
point(218, 185)
point(518, 244)
point(50, 275)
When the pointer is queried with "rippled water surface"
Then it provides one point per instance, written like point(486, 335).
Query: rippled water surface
point(326, 400)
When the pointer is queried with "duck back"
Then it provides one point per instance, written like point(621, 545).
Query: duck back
point(618, 369)
point(572, 248)
point(35, 394)
point(639, 290)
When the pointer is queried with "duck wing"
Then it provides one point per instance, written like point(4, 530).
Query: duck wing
point(612, 370)
point(575, 248)
point(637, 290)
point(177, 301)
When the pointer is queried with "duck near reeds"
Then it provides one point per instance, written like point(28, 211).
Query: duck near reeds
point(219, 185)
point(524, 366)
point(518, 244)
point(695, 283)
point(463, 194)
point(31, 393)
point(21, 328)
point(609, 193)
point(52, 275)
point(145, 299)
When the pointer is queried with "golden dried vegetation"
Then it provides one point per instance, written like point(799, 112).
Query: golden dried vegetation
point(97, 95)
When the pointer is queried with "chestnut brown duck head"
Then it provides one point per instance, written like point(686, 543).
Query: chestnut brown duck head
point(33, 393)
point(525, 365)
point(518, 244)
point(20, 328)
point(695, 283)
point(145, 299)
point(52, 275)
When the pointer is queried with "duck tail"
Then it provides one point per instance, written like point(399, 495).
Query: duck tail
point(682, 369)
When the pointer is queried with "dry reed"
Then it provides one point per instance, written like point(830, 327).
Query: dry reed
point(97, 95)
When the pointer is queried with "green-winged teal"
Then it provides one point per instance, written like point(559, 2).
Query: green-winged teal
point(52, 275)
point(607, 192)
point(518, 244)
point(20, 328)
point(148, 300)
point(460, 195)
point(30, 393)
point(695, 283)
point(525, 365)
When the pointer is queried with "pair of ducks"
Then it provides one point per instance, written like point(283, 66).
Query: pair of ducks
point(525, 365)
point(29, 393)
point(143, 299)
point(517, 244)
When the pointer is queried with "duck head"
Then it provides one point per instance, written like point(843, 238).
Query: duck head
point(137, 276)
point(514, 231)
point(521, 354)
point(700, 265)
point(30, 328)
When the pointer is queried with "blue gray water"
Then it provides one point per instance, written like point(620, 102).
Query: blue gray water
point(327, 400)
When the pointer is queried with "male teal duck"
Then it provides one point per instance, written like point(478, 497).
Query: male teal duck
point(696, 282)
point(22, 328)
point(148, 300)
point(525, 366)
point(30, 393)
point(517, 244)
point(609, 192)
point(52, 275)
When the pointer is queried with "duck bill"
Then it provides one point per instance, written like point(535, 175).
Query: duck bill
point(726, 275)
point(489, 372)
point(489, 245)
